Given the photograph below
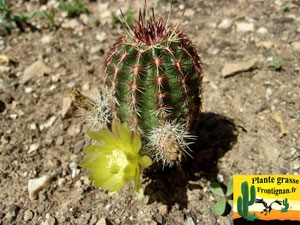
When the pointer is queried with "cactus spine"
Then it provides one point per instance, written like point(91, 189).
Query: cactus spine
point(244, 203)
point(155, 74)
point(286, 205)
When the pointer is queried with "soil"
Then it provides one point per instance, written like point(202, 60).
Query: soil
point(250, 118)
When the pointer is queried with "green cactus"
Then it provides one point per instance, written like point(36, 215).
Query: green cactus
point(244, 203)
point(154, 75)
point(286, 205)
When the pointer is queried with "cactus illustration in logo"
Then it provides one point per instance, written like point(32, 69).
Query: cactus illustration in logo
point(243, 203)
point(286, 205)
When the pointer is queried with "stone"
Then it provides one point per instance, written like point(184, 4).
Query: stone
point(49, 122)
point(59, 141)
point(4, 69)
point(296, 46)
point(245, 27)
point(86, 86)
point(75, 171)
point(12, 212)
point(84, 18)
point(5, 59)
point(28, 215)
point(52, 87)
point(50, 220)
point(72, 23)
point(28, 90)
point(65, 106)
point(3, 85)
point(61, 181)
point(102, 221)
point(78, 146)
point(13, 116)
point(35, 70)
point(74, 129)
point(190, 221)
point(95, 49)
point(33, 147)
point(262, 30)
point(46, 39)
point(233, 68)
point(36, 185)
point(220, 178)
point(93, 220)
point(189, 12)
point(55, 78)
point(101, 37)
point(225, 24)
point(163, 209)
point(265, 44)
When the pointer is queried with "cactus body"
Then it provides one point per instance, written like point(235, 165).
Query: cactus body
point(244, 203)
point(286, 205)
point(154, 73)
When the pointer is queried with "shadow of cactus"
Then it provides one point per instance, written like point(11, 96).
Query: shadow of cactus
point(216, 136)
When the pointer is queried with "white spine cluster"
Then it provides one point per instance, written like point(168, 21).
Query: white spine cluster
point(169, 141)
point(100, 114)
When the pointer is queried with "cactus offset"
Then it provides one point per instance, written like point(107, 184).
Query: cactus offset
point(244, 203)
point(155, 74)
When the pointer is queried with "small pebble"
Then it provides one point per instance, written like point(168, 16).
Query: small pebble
point(52, 87)
point(13, 116)
point(93, 220)
point(55, 78)
point(33, 126)
point(33, 147)
point(49, 220)
point(102, 221)
point(220, 178)
point(75, 171)
point(61, 181)
point(28, 215)
point(190, 221)
point(59, 141)
point(28, 90)
point(35, 185)
point(78, 146)
point(86, 87)
point(262, 30)
point(101, 37)
point(245, 27)
point(163, 209)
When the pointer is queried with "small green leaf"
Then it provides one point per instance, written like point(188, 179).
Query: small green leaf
point(230, 202)
point(277, 62)
point(215, 188)
point(220, 206)
point(229, 188)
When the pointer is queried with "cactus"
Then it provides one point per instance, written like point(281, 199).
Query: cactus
point(244, 203)
point(286, 205)
point(155, 73)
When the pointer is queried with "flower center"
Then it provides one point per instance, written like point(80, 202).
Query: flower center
point(116, 161)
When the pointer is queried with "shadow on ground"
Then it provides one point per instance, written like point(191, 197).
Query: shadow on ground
point(216, 135)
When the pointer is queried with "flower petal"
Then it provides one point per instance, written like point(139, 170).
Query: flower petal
point(136, 144)
point(95, 135)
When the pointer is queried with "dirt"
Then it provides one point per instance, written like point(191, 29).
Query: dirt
point(250, 118)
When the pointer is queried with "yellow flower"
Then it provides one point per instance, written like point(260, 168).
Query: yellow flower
point(116, 160)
